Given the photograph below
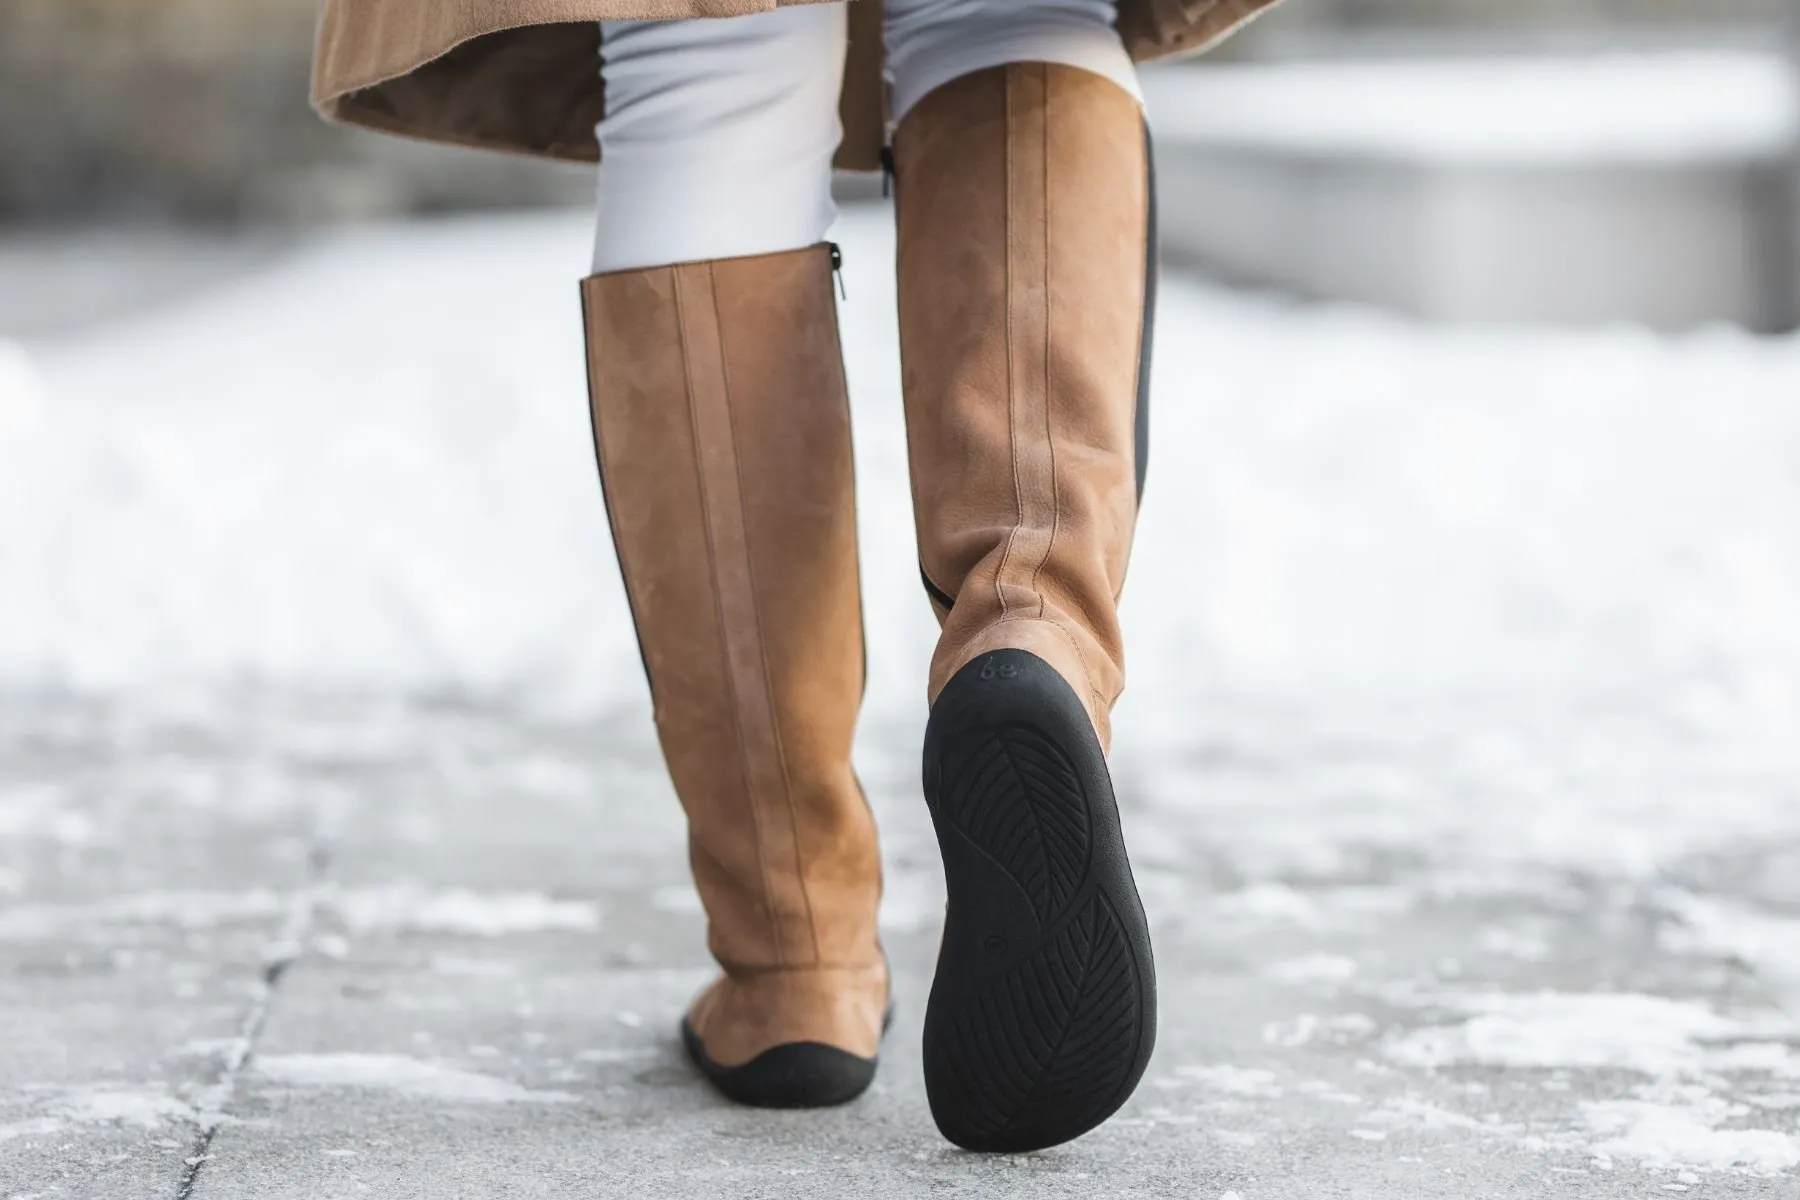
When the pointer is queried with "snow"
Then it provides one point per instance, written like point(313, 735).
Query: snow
point(1601, 109)
point(1310, 1028)
point(106, 1104)
point(1666, 1137)
point(413, 1078)
point(1653, 1035)
point(370, 466)
point(147, 1110)
point(36, 1127)
point(1228, 1080)
point(193, 910)
point(407, 907)
point(1314, 969)
point(197, 492)
point(1723, 928)
point(399, 907)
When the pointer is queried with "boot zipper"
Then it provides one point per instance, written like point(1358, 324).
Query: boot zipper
point(837, 268)
point(887, 171)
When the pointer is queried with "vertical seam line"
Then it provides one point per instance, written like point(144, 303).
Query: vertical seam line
point(1008, 78)
point(712, 564)
point(1049, 423)
point(762, 649)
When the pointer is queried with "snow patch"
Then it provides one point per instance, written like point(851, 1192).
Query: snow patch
point(607, 1057)
point(1337, 1029)
point(1232, 1081)
point(1652, 1035)
point(40, 810)
point(35, 1127)
point(1664, 1136)
point(1775, 1100)
point(1768, 944)
point(413, 1078)
point(406, 908)
point(1507, 942)
point(1270, 902)
point(189, 910)
point(103, 1105)
point(409, 908)
point(1314, 968)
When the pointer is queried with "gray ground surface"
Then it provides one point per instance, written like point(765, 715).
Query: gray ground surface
point(268, 947)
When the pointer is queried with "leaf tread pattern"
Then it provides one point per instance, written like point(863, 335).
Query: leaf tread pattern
point(1049, 1044)
point(1016, 795)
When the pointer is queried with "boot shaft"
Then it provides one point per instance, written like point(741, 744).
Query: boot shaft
point(1026, 272)
point(722, 429)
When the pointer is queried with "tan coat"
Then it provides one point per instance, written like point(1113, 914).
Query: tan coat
point(523, 75)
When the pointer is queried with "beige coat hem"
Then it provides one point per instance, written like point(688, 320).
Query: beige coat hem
point(523, 76)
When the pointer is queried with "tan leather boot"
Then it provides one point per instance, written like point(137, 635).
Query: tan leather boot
point(723, 433)
point(1026, 268)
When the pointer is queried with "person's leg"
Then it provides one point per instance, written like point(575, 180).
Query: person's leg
point(723, 434)
point(1026, 271)
point(718, 136)
point(931, 42)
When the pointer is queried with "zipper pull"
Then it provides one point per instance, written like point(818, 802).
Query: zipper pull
point(837, 268)
point(887, 171)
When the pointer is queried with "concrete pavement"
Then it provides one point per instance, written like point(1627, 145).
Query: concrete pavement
point(260, 946)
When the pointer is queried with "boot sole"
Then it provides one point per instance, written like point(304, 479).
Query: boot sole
point(1043, 1012)
point(797, 1075)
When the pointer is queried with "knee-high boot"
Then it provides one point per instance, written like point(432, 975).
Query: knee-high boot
point(1026, 271)
point(723, 434)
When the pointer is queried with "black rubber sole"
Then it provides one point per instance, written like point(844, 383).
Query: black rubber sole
point(1043, 1013)
point(797, 1075)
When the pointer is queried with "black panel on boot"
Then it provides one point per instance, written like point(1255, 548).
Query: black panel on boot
point(797, 1075)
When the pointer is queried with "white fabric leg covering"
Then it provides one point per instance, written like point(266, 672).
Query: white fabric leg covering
point(931, 42)
point(718, 135)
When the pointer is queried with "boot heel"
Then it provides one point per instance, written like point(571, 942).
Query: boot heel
point(1042, 1016)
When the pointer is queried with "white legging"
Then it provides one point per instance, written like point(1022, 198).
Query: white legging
point(719, 133)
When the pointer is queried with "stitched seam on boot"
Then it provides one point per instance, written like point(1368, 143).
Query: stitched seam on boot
point(762, 648)
point(737, 722)
point(1049, 328)
point(1012, 439)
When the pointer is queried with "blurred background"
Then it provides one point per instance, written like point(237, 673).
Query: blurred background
point(1629, 159)
point(1458, 759)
